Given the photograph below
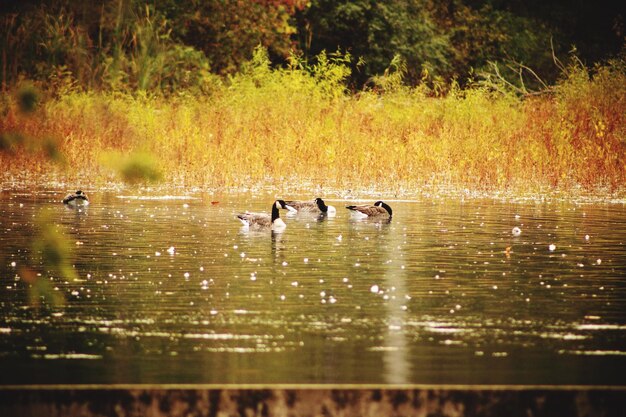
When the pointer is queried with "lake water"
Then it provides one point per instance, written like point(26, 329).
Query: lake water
point(172, 290)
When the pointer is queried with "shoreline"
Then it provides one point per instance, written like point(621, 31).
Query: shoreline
point(405, 192)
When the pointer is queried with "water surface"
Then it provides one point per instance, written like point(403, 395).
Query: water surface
point(172, 290)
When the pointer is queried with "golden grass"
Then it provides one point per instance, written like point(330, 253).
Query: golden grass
point(276, 127)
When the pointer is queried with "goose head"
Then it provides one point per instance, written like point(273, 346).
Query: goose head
point(277, 222)
point(328, 210)
point(385, 206)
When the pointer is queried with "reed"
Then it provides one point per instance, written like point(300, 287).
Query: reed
point(269, 126)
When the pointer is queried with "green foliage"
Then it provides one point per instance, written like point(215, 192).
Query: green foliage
point(450, 40)
point(170, 46)
point(376, 31)
point(10, 142)
point(52, 151)
point(154, 62)
point(228, 31)
point(52, 250)
point(330, 73)
point(140, 168)
point(486, 35)
point(51, 245)
point(324, 78)
point(393, 79)
point(129, 47)
point(27, 98)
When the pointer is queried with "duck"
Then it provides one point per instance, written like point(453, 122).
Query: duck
point(379, 210)
point(76, 199)
point(264, 220)
point(317, 206)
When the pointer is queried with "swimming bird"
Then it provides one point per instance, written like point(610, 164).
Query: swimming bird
point(317, 206)
point(264, 220)
point(76, 199)
point(379, 209)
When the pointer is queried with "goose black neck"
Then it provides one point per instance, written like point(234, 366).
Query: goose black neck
point(386, 207)
point(275, 214)
point(321, 205)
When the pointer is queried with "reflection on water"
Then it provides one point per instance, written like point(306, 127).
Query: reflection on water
point(173, 290)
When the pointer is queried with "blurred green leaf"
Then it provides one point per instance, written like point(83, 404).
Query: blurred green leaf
point(140, 167)
point(51, 149)
point(43, 290)
point(9, 142)
point(28, 98)
point(53, 247)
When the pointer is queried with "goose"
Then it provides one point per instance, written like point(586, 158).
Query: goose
point(379, 209)
point(263, 220)
point(316, 206)
point(76, 199)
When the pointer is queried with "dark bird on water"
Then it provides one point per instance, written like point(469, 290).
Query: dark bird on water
point(317, 206)
point(379, 209)
point(76, 199)
point(263, 220)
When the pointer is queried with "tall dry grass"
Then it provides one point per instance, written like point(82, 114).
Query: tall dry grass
point(298, 125)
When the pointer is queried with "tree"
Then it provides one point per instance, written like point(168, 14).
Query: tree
point(376, 31)
point(228, 31)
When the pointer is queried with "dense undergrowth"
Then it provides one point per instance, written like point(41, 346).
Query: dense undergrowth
point(300, 124)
